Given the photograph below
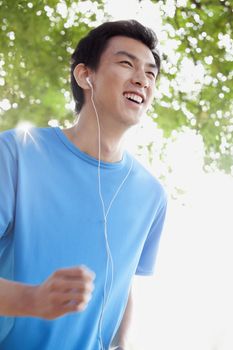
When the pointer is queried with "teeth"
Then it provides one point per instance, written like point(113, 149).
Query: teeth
point(134, 97)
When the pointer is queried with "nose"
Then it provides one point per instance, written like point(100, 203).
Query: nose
point(140, 79)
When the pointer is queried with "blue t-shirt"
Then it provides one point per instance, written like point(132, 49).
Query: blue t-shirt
point(51, 217)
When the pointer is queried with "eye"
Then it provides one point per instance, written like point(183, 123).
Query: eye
point(126, 63)
point(151, 74)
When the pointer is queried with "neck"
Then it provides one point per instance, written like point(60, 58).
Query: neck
point(84, 134)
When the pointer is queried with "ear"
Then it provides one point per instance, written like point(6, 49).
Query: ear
point(81, 72)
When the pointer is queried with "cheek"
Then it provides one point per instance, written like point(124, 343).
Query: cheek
point(120, 75)
point(112, 82)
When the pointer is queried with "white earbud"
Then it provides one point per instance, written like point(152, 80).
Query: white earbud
point(89, 82)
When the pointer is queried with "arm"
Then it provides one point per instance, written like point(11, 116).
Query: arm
point(15, 298)
point(66, 290)
point(120, 340)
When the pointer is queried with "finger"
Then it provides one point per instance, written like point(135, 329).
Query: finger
point(58, 300)
point(76, 272)
point(68, 285)
point(68, 308)
point(76, 299)
point(80, 287)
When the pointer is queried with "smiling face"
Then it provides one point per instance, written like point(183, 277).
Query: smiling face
point(124, 82)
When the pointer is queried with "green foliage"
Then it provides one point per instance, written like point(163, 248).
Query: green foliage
point(201, 32)
point(38, 37)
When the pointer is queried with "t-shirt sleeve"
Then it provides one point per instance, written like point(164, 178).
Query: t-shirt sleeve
point(7, 204)
point(7, 184)
point(147, 260)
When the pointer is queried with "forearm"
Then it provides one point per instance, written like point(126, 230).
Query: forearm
point(64, 291)
point(16, 299)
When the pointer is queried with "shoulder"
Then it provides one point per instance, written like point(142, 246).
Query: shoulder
point(8, 141)
point(14, 139)
point(146, 175)
point(147, 182)
point(7, 135)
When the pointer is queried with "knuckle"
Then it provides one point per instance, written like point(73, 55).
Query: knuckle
point(88, 287)
point(83, 298)
point(91, 287)
point(56, 274)
point(81, 272)
point(81, 307)
point(82, 288)
point(73, 307)
point(55, 285)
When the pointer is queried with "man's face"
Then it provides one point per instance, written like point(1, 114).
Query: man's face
point(124, 82)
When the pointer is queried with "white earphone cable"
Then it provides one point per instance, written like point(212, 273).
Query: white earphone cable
point(105, 214)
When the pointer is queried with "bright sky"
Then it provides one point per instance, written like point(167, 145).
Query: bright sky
point(190, 296)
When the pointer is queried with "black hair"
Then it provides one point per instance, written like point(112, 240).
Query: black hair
point(91, 47)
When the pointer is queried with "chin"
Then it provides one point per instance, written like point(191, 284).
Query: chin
point(132, 122)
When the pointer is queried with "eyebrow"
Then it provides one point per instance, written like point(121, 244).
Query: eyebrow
point(134, 58)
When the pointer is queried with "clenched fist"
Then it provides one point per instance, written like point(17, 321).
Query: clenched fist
point(66, 290)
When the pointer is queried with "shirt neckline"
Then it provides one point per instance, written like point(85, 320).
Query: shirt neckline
point(86, 157)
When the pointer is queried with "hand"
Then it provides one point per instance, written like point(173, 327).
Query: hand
point(66, 290)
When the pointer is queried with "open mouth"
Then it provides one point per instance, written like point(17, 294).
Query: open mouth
point(134, 98)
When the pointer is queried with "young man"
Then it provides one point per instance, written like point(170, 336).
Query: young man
point(75, 205)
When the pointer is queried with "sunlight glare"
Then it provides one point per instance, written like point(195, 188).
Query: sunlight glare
point(24, 131)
